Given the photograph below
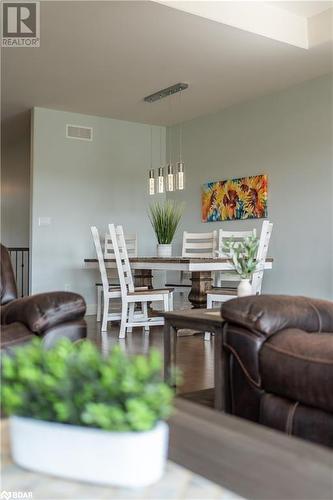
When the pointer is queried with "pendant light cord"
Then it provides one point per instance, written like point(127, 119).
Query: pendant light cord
point(170, 129)
point(180, 132)
point(151, 147)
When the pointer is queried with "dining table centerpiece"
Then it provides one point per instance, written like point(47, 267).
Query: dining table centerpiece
point(77, 414)
point(242, 255)
point(165, 219)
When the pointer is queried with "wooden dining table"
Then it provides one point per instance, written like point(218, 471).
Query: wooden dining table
point(201, 270)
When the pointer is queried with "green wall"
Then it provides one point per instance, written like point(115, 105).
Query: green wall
point(78, 184)
point(287, 135)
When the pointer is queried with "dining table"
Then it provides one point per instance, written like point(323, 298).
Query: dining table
point(200, 269)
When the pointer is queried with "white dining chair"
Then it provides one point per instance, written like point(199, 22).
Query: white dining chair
point(226, 279)
point(132, 248)
point(109, 291)
point(195, 245)
point(223, 294)
point(130, 296)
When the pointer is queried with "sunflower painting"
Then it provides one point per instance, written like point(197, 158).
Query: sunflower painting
point(244, 198)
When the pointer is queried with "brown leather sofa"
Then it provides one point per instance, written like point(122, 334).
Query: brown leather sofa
point(278, 353)
point(48, 315)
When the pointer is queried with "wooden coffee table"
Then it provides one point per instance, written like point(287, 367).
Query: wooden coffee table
point(211, 455)
point(198, 320)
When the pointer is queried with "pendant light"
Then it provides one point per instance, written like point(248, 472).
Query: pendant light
point(180, 175)
point(151, 182)
point(151, 178)
point(170, 173)
point(160, 178)
point(172, 180)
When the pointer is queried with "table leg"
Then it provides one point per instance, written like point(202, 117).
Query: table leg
point(201, 283)
point(143, 277)
point(170, 345)
point(219, 371)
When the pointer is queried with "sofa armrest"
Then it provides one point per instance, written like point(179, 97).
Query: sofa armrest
point(45, 310)
point(268, 314)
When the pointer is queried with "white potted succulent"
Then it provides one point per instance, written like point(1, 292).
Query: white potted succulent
point(243, 257)
point(77, 415)
point(165, 219)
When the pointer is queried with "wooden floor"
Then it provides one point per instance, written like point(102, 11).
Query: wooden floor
point(195, 357)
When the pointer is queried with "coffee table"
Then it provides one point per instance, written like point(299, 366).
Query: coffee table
point(198, 320)
point(211, 455)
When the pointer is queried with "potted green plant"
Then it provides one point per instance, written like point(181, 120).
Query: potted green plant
point(78, 415)
point(165, 219)
point(243, 257)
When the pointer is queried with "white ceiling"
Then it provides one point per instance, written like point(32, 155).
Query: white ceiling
point(103, 57)
point(303, 9)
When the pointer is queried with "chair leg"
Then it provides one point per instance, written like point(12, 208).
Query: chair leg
point(166, 302)
point(105, 313)
point(130, 316)
point(99, 303)
point(144, 307)
point(123, 322)
point(171, 301)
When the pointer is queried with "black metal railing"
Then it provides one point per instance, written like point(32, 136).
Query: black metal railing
point(21, 266)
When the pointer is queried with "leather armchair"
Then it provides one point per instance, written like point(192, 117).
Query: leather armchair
point(48, 315)
point(278, 353)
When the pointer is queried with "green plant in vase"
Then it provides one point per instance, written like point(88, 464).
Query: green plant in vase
point(70, 401)
point(242, 255)
point(165, 219)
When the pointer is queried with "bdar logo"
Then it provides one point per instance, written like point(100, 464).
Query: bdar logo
point(5, 494)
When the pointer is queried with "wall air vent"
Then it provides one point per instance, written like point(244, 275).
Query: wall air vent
point(79, 132)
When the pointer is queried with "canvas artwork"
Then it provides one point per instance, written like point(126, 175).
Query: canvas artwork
point(243, 198)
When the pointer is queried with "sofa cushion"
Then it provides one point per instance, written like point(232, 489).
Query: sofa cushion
point(299, 366)
point(45, 310)
point(268, 314)
point(296, 419)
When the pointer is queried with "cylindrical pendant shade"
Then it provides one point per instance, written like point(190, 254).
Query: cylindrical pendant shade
point(170, 178)
point(151, 182)
point(180, 180)
point(160, 180)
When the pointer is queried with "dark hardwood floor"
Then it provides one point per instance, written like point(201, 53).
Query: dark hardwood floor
point(195, 357)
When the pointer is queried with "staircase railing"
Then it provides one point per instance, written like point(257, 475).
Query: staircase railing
point(21, 266)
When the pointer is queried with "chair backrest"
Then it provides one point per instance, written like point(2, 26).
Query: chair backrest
point(100, 257)
point(131, 245)
point(235, 235)
point(258, 275)
point(199, 244)
point(122, 260)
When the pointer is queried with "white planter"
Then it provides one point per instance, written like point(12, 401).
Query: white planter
point(129, 459)
point(164, 250)
point(244, 288)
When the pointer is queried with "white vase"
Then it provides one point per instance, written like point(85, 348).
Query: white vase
point(244, 288)
point(128, 459)
point(164, 250)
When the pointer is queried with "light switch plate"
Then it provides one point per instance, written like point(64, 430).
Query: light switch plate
point(44, 221)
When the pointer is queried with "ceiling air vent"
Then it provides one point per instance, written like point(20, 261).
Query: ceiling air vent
point(79, 132)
